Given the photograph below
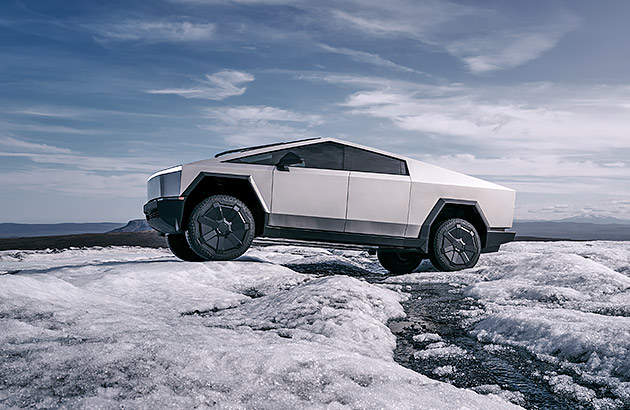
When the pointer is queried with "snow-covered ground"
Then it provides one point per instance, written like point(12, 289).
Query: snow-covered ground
point(134, 327)
point(568, 303)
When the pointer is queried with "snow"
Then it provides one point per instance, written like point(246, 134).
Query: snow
point(568, 303)
point(136, 328)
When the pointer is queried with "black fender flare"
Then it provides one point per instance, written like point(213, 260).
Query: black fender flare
point(425, 229)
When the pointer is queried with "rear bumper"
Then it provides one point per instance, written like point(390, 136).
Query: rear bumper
point(494, 239)
point(165, 214)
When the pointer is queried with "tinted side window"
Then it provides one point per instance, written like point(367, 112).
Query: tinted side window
point(325, 155)
point(365, 161)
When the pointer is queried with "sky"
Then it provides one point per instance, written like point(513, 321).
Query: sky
point(96, 96)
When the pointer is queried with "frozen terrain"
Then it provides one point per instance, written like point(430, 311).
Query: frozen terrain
point(135, 327)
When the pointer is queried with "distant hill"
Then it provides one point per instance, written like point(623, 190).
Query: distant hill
point(594, 219)
point(14, 230)
point(148, 239)
point(573, 230)
point(135, 225)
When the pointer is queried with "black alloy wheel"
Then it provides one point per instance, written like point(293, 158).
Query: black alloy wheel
point(221, 228)
point(455, 245)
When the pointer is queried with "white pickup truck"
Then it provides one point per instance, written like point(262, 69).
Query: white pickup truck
point(325, 189)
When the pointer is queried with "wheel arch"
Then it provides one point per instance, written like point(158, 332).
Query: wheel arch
point(238, 186)
point(446, 208)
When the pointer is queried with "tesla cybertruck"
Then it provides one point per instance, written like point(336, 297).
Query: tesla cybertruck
point(334, 191)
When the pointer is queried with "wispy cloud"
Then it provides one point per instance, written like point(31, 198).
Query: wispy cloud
point(484, 40)
point(217, 86)
point(249, 125)
point(18, 145)
point(368, 58)
point(11, 147)
point(153, 31)
point(236, 114)
point(526, 117)
point(76, 183)
point(508, 48)
point(46, 112)
point(617, 208)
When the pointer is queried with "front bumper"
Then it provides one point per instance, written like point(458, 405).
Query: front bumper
point(165, 214)
point(494, 239)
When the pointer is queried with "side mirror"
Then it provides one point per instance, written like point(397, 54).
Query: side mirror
point(287, 160)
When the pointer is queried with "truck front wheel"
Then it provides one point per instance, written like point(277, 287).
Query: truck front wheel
point(220, 228)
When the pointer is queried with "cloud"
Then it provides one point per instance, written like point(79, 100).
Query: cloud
point(47, 112)
point(247, 113)
point(14, 144)
point(616, 208)
point(217, 86)
point(62, 170)
point(47, 154)
point(369, 58)
point(251, 125)
point(153, 31)
point(76, 182)
point(483, 39)
point(531, 117)
point(509, 48)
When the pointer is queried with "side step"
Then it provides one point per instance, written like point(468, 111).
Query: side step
point(314, 244)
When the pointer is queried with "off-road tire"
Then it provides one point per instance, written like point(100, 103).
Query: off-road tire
point(399, 262)
point(178, 244)
point(220, 228)
point(455, 245)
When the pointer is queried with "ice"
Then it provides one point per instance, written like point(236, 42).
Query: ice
point(136, 328)
point(440, 349)
point(445, 371)
point(564, 302)
point(427, 337)
point(568, 303)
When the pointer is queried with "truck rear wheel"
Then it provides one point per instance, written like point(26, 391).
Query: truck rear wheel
point(220, 228)
point(399, 262)
point(455, 245)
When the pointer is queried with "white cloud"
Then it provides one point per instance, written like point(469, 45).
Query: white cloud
point(237, 114)
point(251, 125)
point(153, 31)
point(616, 208)
point(243, 135)
point(507, 49)
point(17, 145)
point(484, 39)
point(76, 182)
point(528, 117)
point(369, 58)
point(217, 86)
point(48, 154)
point(69, 172)
point(47, 112)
